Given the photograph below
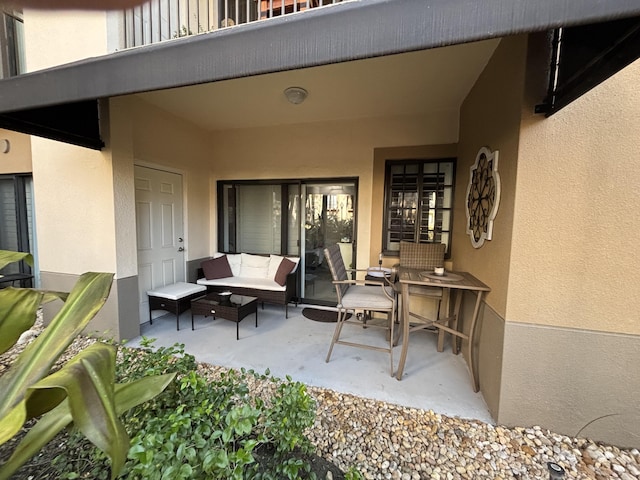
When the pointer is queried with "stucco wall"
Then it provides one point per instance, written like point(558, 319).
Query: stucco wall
point(74, 196)
point(75, 208)
point(571, 338)
point(490, 117)
point(18, 158)
point(321, 150)
point(40, 26)
point(575, 254)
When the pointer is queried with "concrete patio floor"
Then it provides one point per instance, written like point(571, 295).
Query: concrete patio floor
point(297, 346)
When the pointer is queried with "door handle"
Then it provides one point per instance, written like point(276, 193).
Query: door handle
point(180, 239)
point(181, 249)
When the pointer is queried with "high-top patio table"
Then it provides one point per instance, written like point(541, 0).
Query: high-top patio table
point(457, 282)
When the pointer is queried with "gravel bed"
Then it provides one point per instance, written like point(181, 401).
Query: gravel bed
point(387, 441)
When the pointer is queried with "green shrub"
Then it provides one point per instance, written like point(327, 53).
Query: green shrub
point(201, 428)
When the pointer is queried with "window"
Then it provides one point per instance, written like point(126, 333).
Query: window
point(251, 217)
point(12, 46)
point(16, 218)
point(418, 202)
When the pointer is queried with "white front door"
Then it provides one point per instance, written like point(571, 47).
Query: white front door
point(159, 232)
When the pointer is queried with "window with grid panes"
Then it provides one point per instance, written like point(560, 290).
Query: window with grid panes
point(418, 202)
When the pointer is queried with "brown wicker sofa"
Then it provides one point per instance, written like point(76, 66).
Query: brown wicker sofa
point(269, 278)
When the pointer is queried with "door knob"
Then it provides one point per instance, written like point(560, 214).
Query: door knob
point(180, 239)
point(181, 249)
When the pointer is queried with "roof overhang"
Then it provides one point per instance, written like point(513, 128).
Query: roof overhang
point(343, 32)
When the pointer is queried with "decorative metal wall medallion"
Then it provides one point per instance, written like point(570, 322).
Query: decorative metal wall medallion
point(483, 196)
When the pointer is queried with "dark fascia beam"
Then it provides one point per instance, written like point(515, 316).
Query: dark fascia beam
point(77, 123)
point(617, 44)
point(342, 32)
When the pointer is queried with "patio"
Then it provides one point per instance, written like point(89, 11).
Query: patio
point(297, 347)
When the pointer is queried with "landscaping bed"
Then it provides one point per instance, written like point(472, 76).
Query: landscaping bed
point(383, 440)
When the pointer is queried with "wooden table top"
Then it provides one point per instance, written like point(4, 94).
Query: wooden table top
point(415, 276)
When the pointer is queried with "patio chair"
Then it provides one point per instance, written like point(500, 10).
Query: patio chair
point(423, 256)
point(354, 296)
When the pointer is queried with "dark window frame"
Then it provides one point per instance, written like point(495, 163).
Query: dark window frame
point(419, 231)
point(11, 42)
point(286, 184)
point(22, 220)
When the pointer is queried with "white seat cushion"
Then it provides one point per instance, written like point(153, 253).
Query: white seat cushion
point(246, 282)
point(253, 266)
point(366, 296)
point(176, 291)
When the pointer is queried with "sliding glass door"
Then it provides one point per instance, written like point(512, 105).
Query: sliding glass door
point(291, 217)
point(328, 218)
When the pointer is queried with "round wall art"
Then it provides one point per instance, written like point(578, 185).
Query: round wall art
point(483, 196)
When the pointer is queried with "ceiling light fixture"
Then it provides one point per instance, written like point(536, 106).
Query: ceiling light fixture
point(296, 95)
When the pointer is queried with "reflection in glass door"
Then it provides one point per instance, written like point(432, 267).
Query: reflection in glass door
point(328, 218)
point(291, 217)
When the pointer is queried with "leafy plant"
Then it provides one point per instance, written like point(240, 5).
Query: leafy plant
point(353, 474)
point(82, 392)
point(201, 428)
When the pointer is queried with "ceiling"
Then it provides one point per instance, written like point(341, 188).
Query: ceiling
point(412, 83)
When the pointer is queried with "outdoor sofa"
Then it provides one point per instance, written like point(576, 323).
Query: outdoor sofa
point(269, 278)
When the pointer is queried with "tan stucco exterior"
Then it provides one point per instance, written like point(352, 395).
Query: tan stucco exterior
point(490, 117)
point(18, 158)
point(41, 26)
point(571, 333)
point(577, 202)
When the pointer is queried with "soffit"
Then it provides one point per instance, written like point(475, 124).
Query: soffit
point(413, 83)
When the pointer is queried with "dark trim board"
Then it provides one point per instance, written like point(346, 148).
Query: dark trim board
point(77, 123)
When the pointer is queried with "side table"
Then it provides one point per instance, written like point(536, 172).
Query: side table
point(228, 307)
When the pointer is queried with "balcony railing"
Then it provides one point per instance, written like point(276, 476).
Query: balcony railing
point(159, 20)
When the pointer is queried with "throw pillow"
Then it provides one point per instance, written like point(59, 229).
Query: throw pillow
point(254, 266)
point(274, 264)
point(235, 261)
point(216, 268)
point(285, 268)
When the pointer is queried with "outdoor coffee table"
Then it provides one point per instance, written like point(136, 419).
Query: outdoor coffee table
point(228, 307)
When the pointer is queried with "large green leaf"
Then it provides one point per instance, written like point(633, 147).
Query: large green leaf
point(84, 301)
point(19, 310)
point(7, 257)
point(36, 438)
point(88, 381)
point(12, 422)
point(127, 396)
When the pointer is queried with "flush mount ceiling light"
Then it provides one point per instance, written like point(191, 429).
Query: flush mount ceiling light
point(295, 95)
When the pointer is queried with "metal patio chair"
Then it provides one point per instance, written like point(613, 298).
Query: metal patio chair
point(354, 296)
point(426, 257)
